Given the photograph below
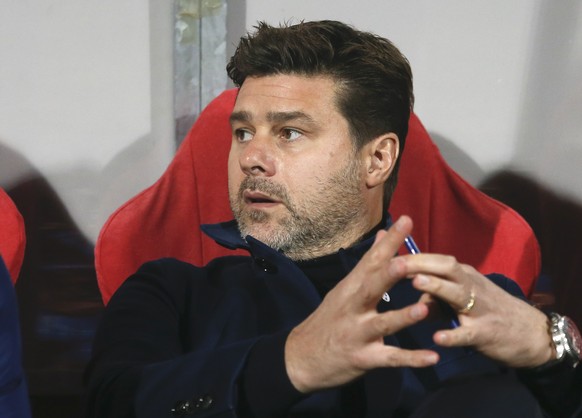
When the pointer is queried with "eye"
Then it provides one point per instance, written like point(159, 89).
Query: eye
point(242, 135)
point(290, 134)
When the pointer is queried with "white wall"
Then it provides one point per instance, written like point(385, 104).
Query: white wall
point(86, 99)
point(498, 83)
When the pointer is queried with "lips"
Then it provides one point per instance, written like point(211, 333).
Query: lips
point(256, 198)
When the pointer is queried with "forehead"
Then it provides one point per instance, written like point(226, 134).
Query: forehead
point(287, 93)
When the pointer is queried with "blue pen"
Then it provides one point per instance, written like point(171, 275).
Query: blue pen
point(411, 245)
point(413, 249)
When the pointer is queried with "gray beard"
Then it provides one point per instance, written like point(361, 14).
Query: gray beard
point(315, 227)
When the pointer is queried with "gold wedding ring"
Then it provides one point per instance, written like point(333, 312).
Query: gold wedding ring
point(470, 304)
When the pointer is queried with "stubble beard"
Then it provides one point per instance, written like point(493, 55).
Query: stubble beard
point(334, 216)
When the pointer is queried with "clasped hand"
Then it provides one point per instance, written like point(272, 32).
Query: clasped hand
point(344, 337)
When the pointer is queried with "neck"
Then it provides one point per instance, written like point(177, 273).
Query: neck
point(347, 236)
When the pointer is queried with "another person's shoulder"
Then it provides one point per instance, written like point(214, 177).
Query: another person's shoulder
point(506, 284)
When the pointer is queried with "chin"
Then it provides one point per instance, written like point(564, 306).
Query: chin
point(272, 235)
point(262, 231)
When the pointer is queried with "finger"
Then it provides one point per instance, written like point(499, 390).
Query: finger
point(454, 294)
point(376, 267)
point(390, 356)
point(444, 266)
point(459, 337)
point(388, 242)
point(390, 322)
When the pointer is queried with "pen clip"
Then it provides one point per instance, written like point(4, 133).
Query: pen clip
point(411, 245)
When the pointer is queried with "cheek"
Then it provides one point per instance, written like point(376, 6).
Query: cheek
point(234, 182)
point(308, 176)
point(234, 174)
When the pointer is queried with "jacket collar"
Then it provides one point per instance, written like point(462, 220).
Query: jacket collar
point(228, 235)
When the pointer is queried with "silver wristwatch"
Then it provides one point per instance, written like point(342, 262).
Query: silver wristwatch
point(567, 339)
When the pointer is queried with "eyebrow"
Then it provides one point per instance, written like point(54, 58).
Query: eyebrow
point(276, 117)
point(280, 117)
point(240, 116)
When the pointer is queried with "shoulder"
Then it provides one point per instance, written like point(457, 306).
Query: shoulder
point(172, 280)
point(176, 270)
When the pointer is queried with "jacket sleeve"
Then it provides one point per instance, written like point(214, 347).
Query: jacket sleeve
point(266, 387)
point(558, 388)
point(142, 365)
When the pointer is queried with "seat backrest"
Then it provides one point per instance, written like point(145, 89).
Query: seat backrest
point(12, 235)
point(450, 216)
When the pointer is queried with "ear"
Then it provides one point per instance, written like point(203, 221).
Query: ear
point(380, 156)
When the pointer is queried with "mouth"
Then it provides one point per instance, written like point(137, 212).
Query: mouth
point(258, 199)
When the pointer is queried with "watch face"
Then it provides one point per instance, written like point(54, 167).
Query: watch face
point(574, 337)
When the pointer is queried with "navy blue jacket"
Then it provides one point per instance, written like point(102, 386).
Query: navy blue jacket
point(177, 339)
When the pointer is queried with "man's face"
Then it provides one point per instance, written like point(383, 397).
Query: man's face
point(295, 180)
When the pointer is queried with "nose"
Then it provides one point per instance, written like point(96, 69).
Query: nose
point(257, 157)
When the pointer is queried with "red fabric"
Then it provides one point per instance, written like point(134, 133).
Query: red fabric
point(12, 235)
point(450, 216)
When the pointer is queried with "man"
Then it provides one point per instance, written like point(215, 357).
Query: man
point(298, 329)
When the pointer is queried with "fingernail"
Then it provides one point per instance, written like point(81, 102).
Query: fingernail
point(399, 223)
point(421, 280)
point(417, 312)
point(379, 235)
point(432, 358)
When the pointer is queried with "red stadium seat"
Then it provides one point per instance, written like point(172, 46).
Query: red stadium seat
point(12, 236)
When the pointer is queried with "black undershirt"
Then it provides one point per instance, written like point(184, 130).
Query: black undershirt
point(325, 273)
